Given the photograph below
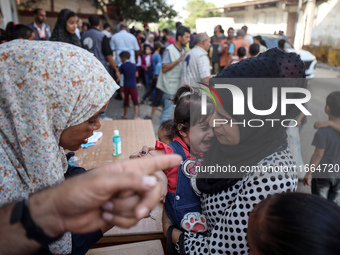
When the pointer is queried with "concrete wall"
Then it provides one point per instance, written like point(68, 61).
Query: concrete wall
point(326, 28)
point(264, 21)
point(78, 6)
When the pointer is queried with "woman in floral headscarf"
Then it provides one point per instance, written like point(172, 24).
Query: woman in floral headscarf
point(51, 97)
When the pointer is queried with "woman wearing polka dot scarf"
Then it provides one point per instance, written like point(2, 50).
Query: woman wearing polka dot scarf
point(228, 199)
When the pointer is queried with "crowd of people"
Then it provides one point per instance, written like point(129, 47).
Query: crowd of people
point(47, 110)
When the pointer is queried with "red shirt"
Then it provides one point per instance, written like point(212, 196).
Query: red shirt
point(172, 173)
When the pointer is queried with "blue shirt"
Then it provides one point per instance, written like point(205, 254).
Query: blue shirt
point(129, 69)
point(156, 58)
point(158, 69)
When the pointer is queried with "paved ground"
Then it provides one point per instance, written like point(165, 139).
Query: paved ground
point(115, 109)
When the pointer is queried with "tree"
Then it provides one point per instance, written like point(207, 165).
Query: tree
point(137, 10)
point(199, 9)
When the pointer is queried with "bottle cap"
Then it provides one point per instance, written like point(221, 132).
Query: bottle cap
point(116, 132)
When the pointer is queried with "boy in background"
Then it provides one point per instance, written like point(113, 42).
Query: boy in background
point(129, 70)
point(325, 162)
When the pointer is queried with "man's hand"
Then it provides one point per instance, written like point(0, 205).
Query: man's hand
point(116, 194)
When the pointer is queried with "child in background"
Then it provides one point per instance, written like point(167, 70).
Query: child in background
point(165, 133)
point(129, 70)
point(147, 66)
point(159, 93)
point(241, 53)
point(325, 162)
point(156, 58)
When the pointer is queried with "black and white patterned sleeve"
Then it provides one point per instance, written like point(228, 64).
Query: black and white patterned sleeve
point(228, 211)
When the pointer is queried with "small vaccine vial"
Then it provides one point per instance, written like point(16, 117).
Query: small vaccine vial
point(117, 143)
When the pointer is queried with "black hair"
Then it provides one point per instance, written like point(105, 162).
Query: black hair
point(231, 28)
point(37, 10)
point(138, 31)
point(162, 51)
point(125, 54)
point(260, 39)
point(241, 52)
point(245, 28)
point(181, 30)
point(106, 25)
point(85, 24)
point(188, 108)
point(167, 127)
point(295, 224)
point(178, 24)
point(221, 29)
point(94, 20)
point(18, 31)
point(254, 49)
point(333, 102)
point(281, 43)
point(165, 30)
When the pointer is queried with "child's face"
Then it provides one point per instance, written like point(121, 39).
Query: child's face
point(201, 136)
point(226, 134)
point(71, 25)
point(162, 136)
point(148, 51)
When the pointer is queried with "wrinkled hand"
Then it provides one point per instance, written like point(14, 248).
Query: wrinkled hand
point(116, 194)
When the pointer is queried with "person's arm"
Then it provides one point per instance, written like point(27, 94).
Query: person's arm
point(299, 119)
point(168, 67)
point(328, 123)
point(314, 162)
point(107, 51)
point(230, 54)
point(88, 202)
point(204, 69)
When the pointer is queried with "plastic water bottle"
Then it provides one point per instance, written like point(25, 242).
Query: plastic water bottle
point(117, 143)
point(73, 161)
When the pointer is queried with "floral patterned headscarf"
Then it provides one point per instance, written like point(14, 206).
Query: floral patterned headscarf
point(45, 87)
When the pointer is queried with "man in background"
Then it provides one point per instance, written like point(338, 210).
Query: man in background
point(41, 29)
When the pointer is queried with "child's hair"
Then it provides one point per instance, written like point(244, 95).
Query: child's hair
point(254, 49)
point(294, 224)
point(157, 45)
point(17, 31)
point(241, 52)
point(333, 102)
point(167, 127)
point(188, 108)
point(125, 54)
